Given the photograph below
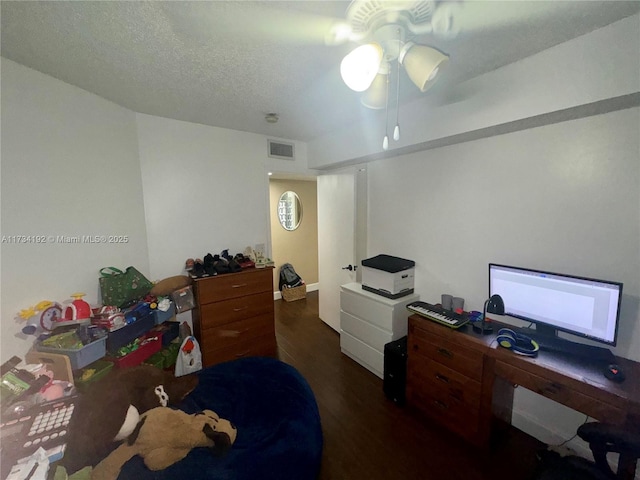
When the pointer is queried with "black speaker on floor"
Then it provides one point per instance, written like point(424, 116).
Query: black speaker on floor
point(395, 370)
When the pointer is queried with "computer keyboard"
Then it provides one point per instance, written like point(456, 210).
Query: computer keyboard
point(438, 314)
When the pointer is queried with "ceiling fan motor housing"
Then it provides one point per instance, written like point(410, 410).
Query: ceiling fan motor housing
point(366, 16)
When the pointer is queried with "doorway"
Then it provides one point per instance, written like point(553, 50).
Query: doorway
point(297, 246)
point(341, 237)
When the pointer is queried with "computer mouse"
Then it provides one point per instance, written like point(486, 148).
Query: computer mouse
point(613, 372)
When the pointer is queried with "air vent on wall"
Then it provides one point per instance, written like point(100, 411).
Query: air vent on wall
point(281, 150)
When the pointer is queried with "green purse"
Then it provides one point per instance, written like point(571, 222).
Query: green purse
point(122, 288)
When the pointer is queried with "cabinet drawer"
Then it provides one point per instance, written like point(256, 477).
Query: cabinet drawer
point(364, 331)
point(429, 376)
point(233, 285)
point(362, 353)
point(374, 312)
point(234, 333)
point(234, 309)
point(264, 346)
point(560, 393)
point(447, 411)
point(455, 356)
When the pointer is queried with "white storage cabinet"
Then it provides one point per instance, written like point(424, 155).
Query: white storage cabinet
point(368, 322)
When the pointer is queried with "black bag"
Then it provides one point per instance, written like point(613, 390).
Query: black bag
point(288, 277)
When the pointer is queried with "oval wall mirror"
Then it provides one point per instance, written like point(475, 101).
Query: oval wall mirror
point(289, 210)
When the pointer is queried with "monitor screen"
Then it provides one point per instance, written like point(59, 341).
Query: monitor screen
point(585, 307)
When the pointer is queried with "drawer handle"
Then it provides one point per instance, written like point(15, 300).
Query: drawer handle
point(242, 354)
point(456, 394)
point(552, 389)
point(442, 378)
point(240, 309)
point(239, 286)
point(440, 404)
point(445, 352)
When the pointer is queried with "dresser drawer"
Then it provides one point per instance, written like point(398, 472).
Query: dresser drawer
point(233, 285)
point(446, 411)
point(362, 306)
point(237, 332)
point(364, 354)
point(429, 376)
point(457, 357)
point(369, 334)
point(264, 346)
point(234, 309)
point(560, 393)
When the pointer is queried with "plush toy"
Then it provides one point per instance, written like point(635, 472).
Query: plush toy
point(114, 402)
point(168, 285)
point(165, 436)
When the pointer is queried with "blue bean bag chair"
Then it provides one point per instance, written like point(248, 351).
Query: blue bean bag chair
point(275, 412)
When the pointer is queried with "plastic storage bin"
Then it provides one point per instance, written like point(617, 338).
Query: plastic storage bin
point(170, 331)
point(165, 358)
point(125, 335)
point(161, 317)
point(151, 343)
point(81, 357)
point(92, 372)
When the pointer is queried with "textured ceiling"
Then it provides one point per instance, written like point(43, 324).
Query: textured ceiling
point(227, 64)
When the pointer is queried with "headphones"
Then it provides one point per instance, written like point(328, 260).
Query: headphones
point(519, 343)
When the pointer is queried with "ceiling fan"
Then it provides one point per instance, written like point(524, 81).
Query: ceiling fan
point(386, 31)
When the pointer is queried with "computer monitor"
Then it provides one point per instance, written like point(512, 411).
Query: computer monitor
point(585, 307)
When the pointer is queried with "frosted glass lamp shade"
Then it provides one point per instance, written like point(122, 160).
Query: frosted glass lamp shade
point(359, 68)
point(375, 96)
point(422, 64)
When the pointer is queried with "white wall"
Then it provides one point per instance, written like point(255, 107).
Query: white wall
point(601, 65)
point(69, 167)
point(205, 190)
point(74, 164)
point(562, 197)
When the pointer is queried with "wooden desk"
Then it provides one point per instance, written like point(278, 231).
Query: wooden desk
point(455, 370)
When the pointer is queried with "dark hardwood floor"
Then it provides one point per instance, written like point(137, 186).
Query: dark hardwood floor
point(367, 436)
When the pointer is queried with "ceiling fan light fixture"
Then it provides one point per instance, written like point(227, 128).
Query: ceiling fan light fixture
point(360, 67)
point(422, 63)
point(375, 97)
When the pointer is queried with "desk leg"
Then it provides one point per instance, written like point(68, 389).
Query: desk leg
point(497, 401)
point(502, 405)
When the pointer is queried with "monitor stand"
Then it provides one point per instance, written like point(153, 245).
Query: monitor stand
point(546, 331)
point(548, 340)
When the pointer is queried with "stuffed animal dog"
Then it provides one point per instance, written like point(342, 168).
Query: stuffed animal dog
point(165, 436)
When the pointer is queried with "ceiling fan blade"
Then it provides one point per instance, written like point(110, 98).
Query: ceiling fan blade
point(273, 22)
point(472, 17)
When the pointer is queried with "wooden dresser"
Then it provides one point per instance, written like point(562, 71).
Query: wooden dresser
point(465, 381)
point(234, 315)
point(445, 381)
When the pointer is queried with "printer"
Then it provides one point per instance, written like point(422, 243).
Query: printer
point(389, 276)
